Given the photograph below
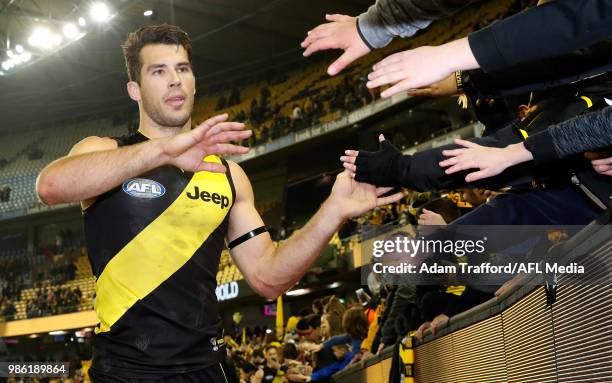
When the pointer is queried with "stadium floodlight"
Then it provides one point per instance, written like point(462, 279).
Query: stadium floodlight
point(82, 21)
point(26, 56)
point(59, 332)
point(19, 48)
point(297, 292)
point(99, 12)
point(70, 31)
point(6, 65)
point(41, 38)
point(148, 12)
point(10, 54)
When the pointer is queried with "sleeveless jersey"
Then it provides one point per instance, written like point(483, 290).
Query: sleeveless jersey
point(154, 244)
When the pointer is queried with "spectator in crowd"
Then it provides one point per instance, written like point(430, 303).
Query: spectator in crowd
point(331, 326)
point(343, 357)
point(355, 325)
point(396, 319)
point(332, 303)
point(272, 371)
point(49, 301)
point(8, 310)
point(296, 115)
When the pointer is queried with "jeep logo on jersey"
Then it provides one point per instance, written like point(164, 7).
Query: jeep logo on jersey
point(205, 196)
point(144, 188)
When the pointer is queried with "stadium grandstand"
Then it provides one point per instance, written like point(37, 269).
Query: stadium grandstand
point(343, 321)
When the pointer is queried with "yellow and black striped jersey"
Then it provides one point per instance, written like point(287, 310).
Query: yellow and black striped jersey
point(154, 245)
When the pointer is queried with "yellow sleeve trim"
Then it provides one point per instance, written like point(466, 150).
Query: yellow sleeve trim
point(588, 101)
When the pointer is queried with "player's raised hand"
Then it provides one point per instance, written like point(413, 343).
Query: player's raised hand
point(214, 136)
point(352, 198)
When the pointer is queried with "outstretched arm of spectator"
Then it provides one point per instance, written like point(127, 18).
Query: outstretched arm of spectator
point(421, 172)
point(428, 217)
point(489, 161)
point(338, 339)
point(579, 134)
point(375, 28)
point(600, 164)
point(387, 19)
point(331, 369)
point(340, 33)
point(549, 30)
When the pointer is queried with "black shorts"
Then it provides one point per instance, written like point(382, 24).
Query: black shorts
point(213, 374)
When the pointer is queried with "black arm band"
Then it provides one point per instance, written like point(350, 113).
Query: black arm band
point(246, 237)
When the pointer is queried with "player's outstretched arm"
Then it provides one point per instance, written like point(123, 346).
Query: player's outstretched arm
point(96, 165)
point(271, 271)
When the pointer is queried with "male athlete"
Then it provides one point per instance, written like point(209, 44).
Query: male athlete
point(157, 216)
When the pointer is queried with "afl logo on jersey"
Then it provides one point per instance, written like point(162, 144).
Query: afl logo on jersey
point(143, 188)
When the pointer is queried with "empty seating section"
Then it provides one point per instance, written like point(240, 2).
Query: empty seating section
point(21, 169)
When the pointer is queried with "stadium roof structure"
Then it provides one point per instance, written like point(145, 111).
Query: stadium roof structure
point(232, 39)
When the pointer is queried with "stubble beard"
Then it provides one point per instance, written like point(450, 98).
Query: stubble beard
point(164, 120)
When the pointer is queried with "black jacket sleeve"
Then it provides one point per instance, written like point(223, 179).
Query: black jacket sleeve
point(549, 30)
point(542, 74)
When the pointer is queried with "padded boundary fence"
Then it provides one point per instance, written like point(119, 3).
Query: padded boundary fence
point(529, 334)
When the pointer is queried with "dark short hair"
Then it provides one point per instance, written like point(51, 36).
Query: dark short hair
point(151, 34)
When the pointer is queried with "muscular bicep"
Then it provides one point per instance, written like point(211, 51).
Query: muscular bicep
point(89, 145)
point(243, 219)
point(92, 144)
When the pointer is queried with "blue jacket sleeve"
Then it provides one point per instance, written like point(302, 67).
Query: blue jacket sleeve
point(338, 339)
point(328, 371)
